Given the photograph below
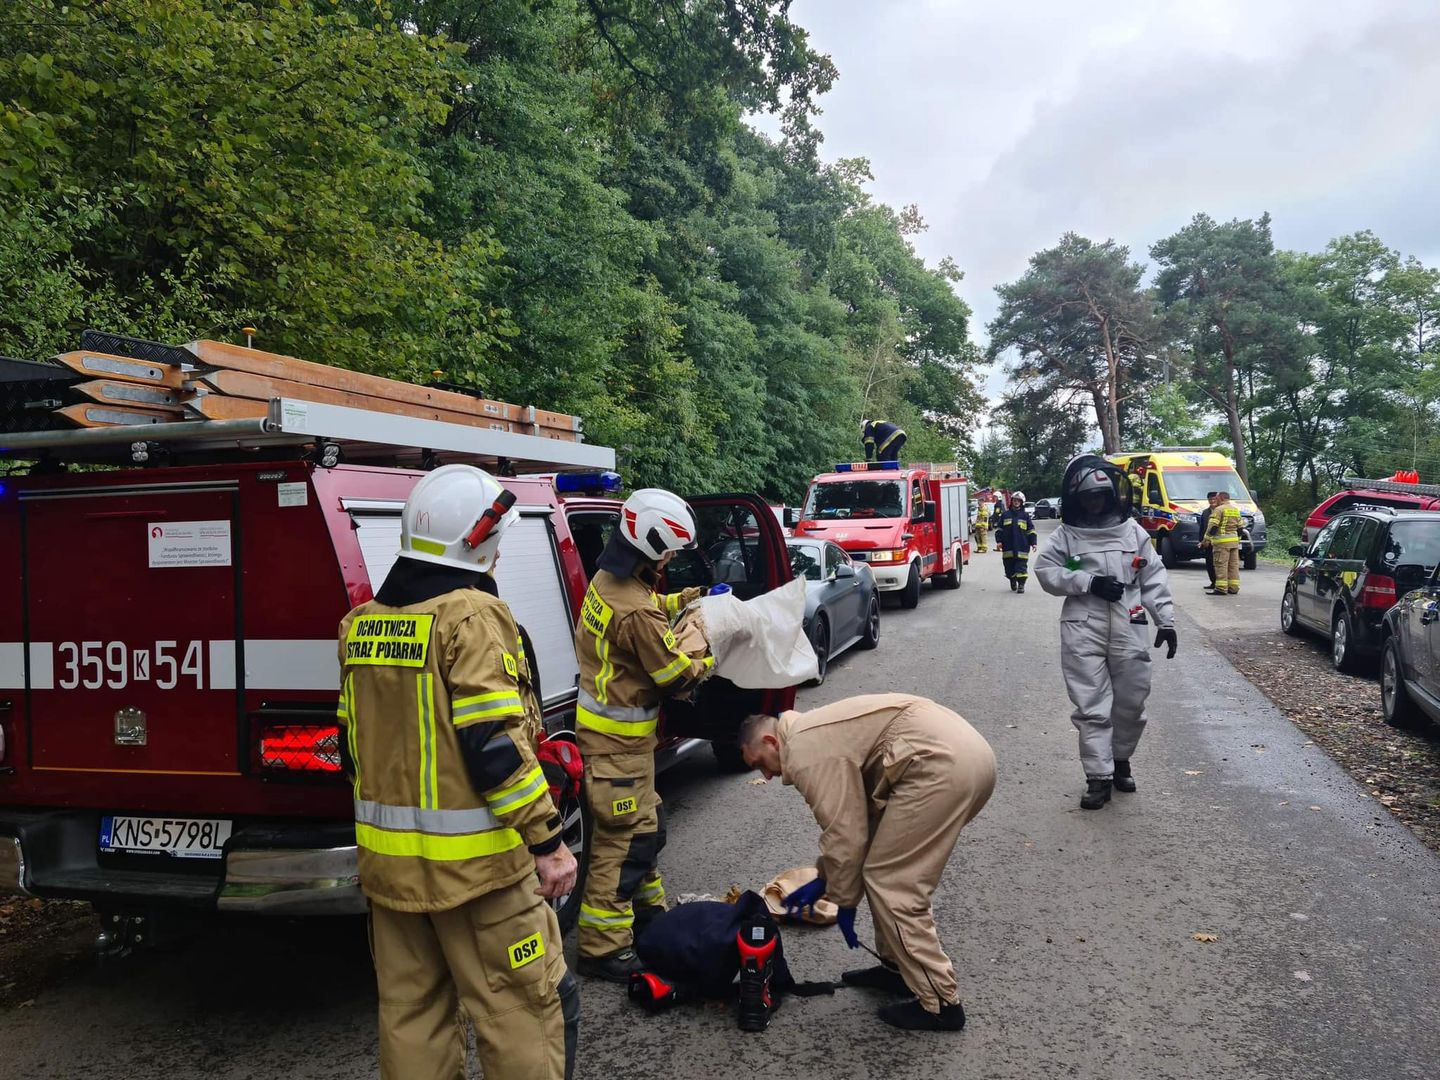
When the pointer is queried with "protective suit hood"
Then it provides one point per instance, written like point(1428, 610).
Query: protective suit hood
point(1089, 473)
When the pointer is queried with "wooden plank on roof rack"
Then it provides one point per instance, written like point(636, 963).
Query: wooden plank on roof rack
point(113, 416)
point(107, 366)
point(240, 384)
point(129, 394)
point(291, 369)
point(220, 407)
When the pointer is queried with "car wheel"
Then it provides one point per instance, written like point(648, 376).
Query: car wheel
point(910, 595)
point(1395, 701)
point(1288, 620)
point(1249, 559)
point(1167, 553)
point(870, 637)
point(820, 641)
point(951, 580)
point(1342, 644)
point(576, 829)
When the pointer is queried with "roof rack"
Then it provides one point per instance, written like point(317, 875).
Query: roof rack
point(360, 436)
point(1169, 450)
point(1393, 487)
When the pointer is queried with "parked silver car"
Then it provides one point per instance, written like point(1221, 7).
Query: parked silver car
point(842, 604)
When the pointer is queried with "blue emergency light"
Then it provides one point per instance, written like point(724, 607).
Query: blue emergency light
point(866, 466)
point(587, 483)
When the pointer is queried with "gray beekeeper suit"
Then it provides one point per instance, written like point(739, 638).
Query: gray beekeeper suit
point(1097, 553)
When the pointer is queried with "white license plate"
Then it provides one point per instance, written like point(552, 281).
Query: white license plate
point(184, 838)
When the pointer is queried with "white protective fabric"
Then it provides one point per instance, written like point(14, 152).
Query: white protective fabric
point(1104, 656)
point(759, 644)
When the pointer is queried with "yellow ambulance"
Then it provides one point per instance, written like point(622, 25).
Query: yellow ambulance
point(1169, 485)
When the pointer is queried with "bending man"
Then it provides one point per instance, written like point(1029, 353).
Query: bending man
point(891, 779)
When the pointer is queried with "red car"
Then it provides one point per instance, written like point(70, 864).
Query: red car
point(1403, 491)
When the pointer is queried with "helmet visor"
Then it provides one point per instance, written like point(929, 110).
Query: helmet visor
point(1095, 494)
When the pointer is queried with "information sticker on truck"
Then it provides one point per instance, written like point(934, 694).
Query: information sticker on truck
point(182, 838)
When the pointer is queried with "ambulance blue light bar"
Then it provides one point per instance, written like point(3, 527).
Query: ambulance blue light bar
point(866, 466)
point(587, 483)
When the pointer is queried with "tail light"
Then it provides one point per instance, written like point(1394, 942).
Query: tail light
point(313, 748)
point(1378, 592)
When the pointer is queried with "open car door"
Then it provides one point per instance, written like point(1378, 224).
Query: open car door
point(741, 544)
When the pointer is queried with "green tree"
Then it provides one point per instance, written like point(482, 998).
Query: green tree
point(1080, 324)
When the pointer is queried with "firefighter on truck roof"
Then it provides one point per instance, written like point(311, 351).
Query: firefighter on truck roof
point(459, 841)
point(629, 660)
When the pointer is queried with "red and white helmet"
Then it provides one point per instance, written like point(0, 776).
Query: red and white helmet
point(655, 521)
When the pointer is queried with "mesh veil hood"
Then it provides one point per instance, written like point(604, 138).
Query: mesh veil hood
point(1082, 473)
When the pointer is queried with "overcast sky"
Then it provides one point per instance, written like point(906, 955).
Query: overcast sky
point(1012, 121)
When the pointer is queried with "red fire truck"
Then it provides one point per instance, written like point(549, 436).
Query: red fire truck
point(908, 522)
point(168, 671)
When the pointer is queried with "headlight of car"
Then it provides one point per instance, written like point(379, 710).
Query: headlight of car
point(883, 556)
point(1259, 518)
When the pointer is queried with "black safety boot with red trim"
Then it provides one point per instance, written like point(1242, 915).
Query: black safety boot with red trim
point(911, 1016)
point(757, 940)
point(1123, 781)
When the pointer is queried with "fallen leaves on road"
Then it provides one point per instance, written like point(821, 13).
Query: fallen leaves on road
point(1341, 713)
point(1303, 976)
point(1194, 772)
point(1315, 808)
point(1205, 937)
point(758, 780)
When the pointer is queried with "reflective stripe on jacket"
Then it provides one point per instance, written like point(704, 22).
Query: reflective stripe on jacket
point(629, 660)
point(413, 678)
point(1225, 525)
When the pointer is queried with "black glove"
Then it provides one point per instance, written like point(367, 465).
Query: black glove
point(1166, 636)
point(1107, 587)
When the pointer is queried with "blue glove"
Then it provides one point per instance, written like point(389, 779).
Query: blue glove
point(718, 590)
point(805, 896)
point(846, 922)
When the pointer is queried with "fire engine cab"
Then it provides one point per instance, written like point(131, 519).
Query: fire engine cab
point(908, 522)
point(169, 598)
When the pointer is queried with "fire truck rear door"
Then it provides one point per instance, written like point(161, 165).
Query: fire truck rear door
point(131, 628)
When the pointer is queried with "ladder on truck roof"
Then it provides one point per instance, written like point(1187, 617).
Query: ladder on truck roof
point(1389, 487)
point(120, 400)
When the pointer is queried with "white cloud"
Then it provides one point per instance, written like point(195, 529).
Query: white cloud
point(1010, 123)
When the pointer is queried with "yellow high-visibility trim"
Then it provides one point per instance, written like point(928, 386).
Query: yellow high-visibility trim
point(429, 766)
point(427, 547)
point(436, 848)
point(628, 728)
point(517, 795)
point(671, 671)
point(607, 671)
point(350, 736)
point(481, 699)
point(602, 919)
point(672, 603)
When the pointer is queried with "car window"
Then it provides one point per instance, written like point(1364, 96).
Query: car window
point(729, 549)
point(1152, 490)
point(1342, 540)
point(1366, 501)
point(1322, 542)
point(917, 499)
point(1190, 485)
point(855, 498)
point(833, 558)
point(1413, 543)
point(591, 531)
point(1367, 532)
point(805, 561)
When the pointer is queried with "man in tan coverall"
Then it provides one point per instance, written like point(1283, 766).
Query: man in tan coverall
point(630, 659)
point(453, 817)
point(891, 779)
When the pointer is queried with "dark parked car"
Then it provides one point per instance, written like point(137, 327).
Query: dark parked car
point(1046, 508)
point(1351, 575)
point(1410, 657)
point(842, 604)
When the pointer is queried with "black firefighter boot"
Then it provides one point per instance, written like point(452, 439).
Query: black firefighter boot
point(1123, 780)
point(1097, 793)
point(616, 967)
point(1021, 587)
point(1014, 585)
point(911, 1016)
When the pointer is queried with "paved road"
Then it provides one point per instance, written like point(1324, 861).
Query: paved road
point(1071, 930)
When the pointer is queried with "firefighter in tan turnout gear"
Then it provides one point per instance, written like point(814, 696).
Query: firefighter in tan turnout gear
point(630, 660)
point(453, 818)
point(891, 779)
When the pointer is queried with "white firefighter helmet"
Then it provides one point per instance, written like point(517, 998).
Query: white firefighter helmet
point(655, 521)
point(455, 517)
point(1018, 495)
